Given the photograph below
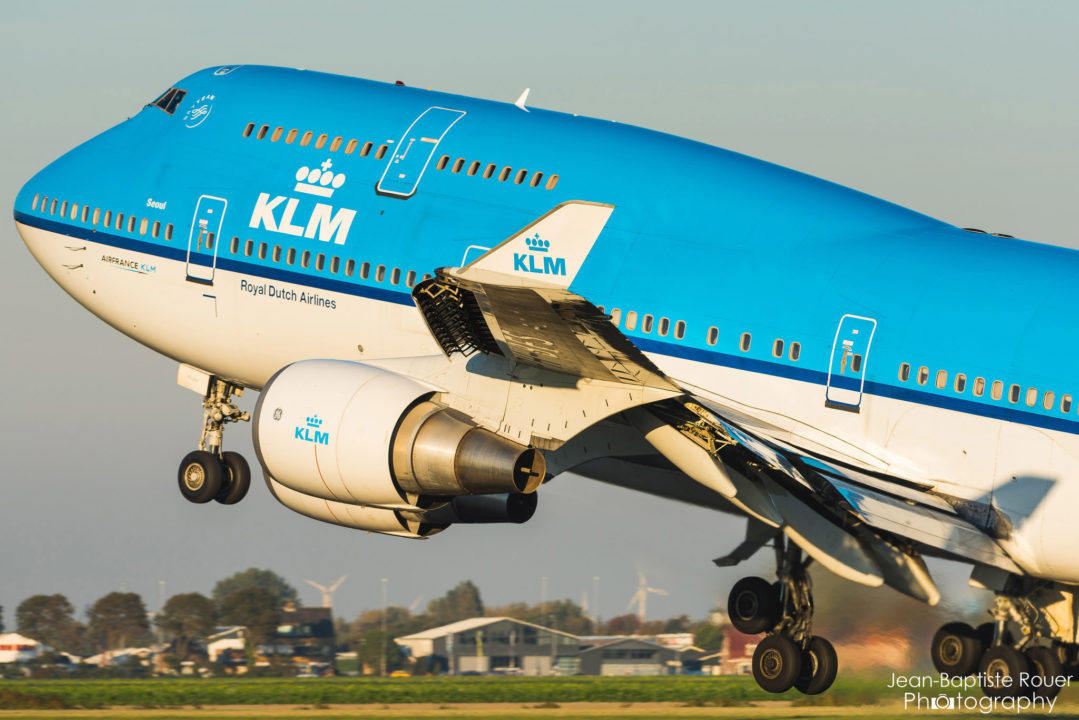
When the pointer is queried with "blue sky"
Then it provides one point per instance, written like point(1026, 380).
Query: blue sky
point(962, 110)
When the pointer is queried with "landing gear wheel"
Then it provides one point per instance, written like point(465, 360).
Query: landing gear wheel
point(819, 667)
point(1001, 669)
point(777, 663)
point(237, 479)
point(753, 606)
point(956, 650)
point(1045, 669)
point(200, 476)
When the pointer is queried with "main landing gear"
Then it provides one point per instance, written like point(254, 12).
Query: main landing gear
point(1019, 653)
point(790, 655)
point(208, 473)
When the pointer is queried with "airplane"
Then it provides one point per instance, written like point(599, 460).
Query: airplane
point(446, 302)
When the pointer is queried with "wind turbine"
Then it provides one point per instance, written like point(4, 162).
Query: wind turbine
point(641, 597)
point(327, 592)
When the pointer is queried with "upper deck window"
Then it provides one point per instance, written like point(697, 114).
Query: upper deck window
point(169, 100)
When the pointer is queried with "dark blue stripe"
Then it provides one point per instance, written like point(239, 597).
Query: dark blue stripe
point(710, 357)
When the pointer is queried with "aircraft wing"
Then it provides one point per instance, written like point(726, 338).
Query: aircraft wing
point(872, 528)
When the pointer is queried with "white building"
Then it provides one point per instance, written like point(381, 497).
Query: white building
point(18, 648)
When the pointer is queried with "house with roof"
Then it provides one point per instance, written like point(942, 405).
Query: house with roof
point(494, 645)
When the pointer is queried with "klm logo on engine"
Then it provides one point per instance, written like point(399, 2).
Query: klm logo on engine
point(281, 214)
point(311, 433)
point(542, 264)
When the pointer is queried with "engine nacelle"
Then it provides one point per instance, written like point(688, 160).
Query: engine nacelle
point(475, 509)
point(356, 434)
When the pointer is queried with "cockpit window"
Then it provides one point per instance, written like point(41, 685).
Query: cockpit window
point(170, 99)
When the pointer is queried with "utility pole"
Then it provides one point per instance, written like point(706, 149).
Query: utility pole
point(385, 582)
point(595, 604)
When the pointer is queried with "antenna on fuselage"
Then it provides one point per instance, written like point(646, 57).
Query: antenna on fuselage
point(521, 100)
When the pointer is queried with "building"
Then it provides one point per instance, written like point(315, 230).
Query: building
point(499, 644)
point(735, 656)
point(627, 656)
point(305, 633)
point(18, 648)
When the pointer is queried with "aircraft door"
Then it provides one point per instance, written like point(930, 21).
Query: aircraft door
point(203, 240)
point(850, 355)
point(414, 150)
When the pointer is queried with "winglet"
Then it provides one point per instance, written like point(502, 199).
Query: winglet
point(549, 252)
point(521, 100)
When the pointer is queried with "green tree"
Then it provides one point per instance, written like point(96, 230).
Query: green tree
point(370, 649)
point(460, 603)
point(266, 580)
point(186, 617)
point(258, 610)
point(709, 638)
point(1, 618)
point(49, 619)
point(118, 620)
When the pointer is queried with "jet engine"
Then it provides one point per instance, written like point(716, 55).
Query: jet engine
point(363, 436)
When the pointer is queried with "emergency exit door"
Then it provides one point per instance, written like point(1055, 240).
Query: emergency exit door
point(850, 355)
point(203, 240)
point(413, 152)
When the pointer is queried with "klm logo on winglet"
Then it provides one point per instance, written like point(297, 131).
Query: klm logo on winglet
point(311, 432)
point(279, 214)
point(527, 261)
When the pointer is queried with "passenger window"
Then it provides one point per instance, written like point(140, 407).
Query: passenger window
point(1013, 394)
point(168, 231)
point(1049, 400)
point(156, 229)
point(52, 209)
point(336, 144)
point(262, 132)
point(33, 203)
point(290, 256)
point(365, 271)
point(996, 391)
point(979, 386)
point(277, 133)
point(521, 175)
point(646, 324)
point(960, 383)
point(380, 273)
point(616, 316)
point(108, 218)
point(249, 248)
point(395, 276)
point(335, 264)
point(320, 261)
point(457, 165)
point(74, 211)
point(536, 177)
point(63, 209)
point(490, 171)
point(942, 379)
point(745, 342)
point(777, 348)
point(306, 139)
point(904, 372)
point(249, 129)
point(277, 253)
point(381, 152)
point(291, 137)
point(1032, 397)
point(428, 276)
point(131, 224)
point(97, 217)
point(366, 149)
point(1066, 404)
point(631, 320)
point(321, 141)
point(262, 251)
point(796, 352)
point(856, 363)
point(923, 375)
point(119, 220)
point(680, 329)
point(305, 259)
point(664, 327)
point(551, 182)
point(350, 267)
point(351, 146)
point(442, 162)
point(474, 167)
point(713, 335)
point(410, 278)
point(85, 212)
point(210, 241)
point(504, 175)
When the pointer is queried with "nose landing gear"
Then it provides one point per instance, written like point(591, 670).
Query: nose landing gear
point(208, 473)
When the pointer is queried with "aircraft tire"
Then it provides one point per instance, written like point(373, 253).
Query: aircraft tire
point(1046, 665)
point(819, 667)
point(200, 477)
point(236, 479)
point(753, 606)
point(956, 649)
point(1002, 661)
point(777, 663)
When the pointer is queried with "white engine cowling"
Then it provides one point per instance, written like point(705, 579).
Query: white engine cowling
point(360, 435)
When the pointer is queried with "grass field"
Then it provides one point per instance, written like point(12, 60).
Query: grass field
point(445, 697)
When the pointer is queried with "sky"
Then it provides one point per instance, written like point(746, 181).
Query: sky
point(965, 111)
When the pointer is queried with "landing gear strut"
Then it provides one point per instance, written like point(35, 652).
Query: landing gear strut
point(208, 473)
point(790, 655)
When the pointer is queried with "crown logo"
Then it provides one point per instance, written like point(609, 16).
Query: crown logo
point(314, 422)
point(537, 244)
point(319, 181)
